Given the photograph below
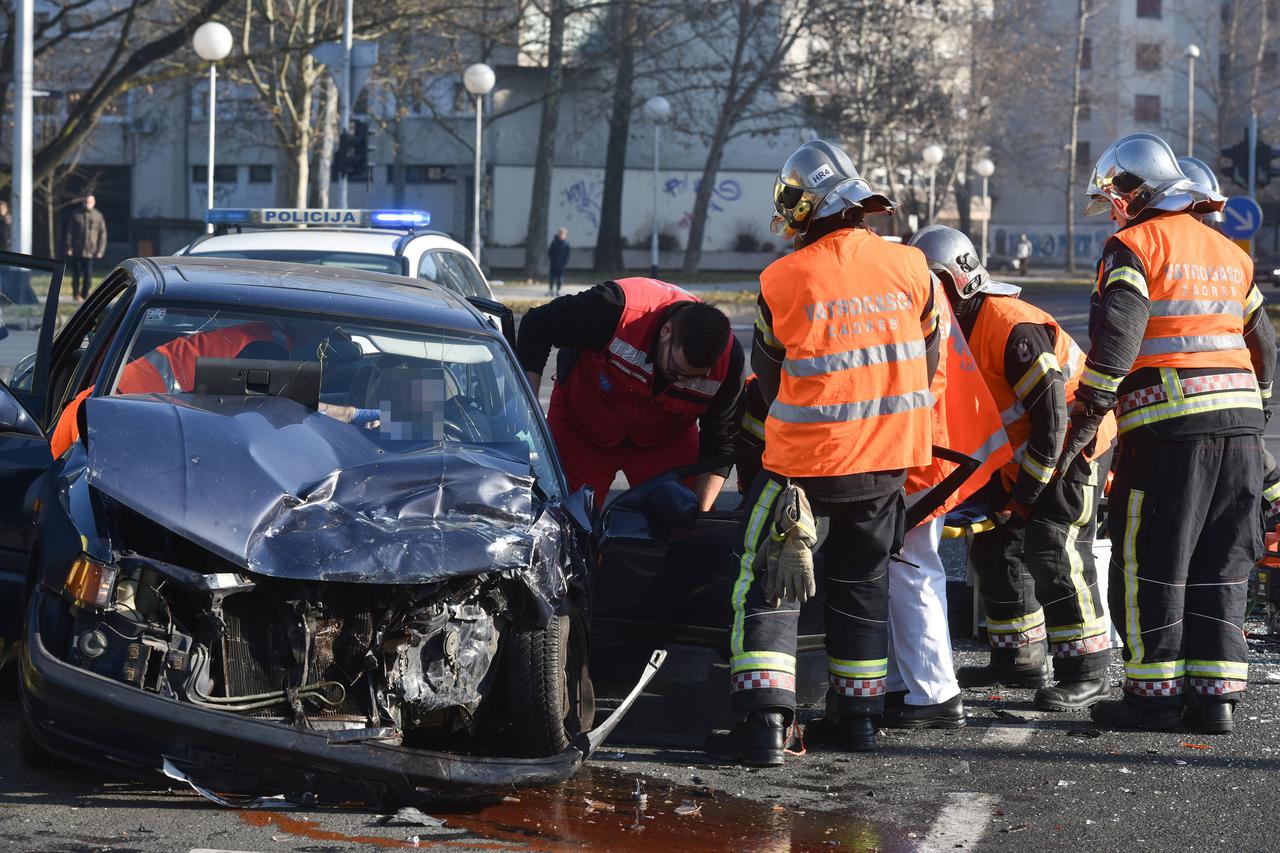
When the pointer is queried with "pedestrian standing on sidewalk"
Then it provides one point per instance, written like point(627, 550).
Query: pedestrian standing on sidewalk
point(1024, 250)
point(84, 241)
point(558, 255)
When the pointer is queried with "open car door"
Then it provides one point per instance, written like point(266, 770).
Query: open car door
point(24, 449)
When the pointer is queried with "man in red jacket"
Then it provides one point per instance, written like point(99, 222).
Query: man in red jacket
point(648, 378)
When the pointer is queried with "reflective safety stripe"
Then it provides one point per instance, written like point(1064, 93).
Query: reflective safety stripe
point(1018, 623)
point(1101, 381)
point(753, 425)
point(1193, 405)
point(1218, 668)
point(762, 679)
point(766, 332)
point(1129, 276)
point(164, 367)
point(1011, 414)
point(1150, 688)
point(1088, 628)
point(1272, 492)
point(746, 571)
point(762, 660)
point(699, 385)
point(1191, 343)
point(858, 668)
point(1092, 624)
point(847, 412)
point(1194, 307)
point(630, 354)
point(1038, 370)
point(1157, 670)
point(1133, 628)
point(857, 687)
point(1217, 686)
point(883, 354)
point(1171, 387)
point(994, 442)
point(1034, 469)
point(1254, 301)
point(1264, 390)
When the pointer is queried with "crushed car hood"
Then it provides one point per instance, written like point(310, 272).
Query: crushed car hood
point(287, 492)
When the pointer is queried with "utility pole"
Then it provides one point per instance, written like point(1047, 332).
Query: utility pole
point(23, 65)
point(1252, 185)
point(345, 94)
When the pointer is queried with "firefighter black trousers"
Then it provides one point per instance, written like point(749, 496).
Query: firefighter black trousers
point(1185, 533)
point(855, 540)
point(1039, 579)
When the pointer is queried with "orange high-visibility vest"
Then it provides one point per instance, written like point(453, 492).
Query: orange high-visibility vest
point(854, 390)
point(1198, 282)
point(990, 339)
point(965, 418)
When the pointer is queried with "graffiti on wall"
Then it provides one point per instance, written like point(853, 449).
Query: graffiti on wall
point(726, 191)
point(583, 198)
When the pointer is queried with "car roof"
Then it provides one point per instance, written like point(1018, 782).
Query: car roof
point(334, 290)
point(369, 241)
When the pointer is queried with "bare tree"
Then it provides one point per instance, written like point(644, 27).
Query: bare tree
point(623, 33)
point(545, 154)
point(1082, 20)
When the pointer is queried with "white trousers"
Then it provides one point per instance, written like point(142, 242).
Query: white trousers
point(919, 640)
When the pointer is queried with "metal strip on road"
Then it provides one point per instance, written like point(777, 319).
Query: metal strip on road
point(961, 823)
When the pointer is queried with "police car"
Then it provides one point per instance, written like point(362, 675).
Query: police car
point(398, 242)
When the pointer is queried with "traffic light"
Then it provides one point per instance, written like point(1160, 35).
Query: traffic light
point(1266, 168)
point(352, 158)
point(1234, 164)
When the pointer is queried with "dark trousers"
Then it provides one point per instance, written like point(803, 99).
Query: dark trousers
point(1185, 533)
point(855, 540)
point(1039, 579)
point(81, 276)
point(555, 282)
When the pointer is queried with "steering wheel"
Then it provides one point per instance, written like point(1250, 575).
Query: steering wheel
point(465, 420)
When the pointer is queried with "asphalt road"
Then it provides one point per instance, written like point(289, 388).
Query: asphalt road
point(1014, 780)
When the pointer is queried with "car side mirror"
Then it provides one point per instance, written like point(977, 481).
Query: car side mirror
point(14, 418)
point(502, 317)
point(581, 508)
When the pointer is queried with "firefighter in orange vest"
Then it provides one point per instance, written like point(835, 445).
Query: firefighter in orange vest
point(647, 378)
point(1182, 349)
point(846, 342)
point(1037, 571)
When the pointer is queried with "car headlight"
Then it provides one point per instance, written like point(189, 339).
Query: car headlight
point(89, 583)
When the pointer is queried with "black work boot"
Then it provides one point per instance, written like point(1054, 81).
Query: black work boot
point(856, 733)
point(1137, 715)
point(1073, 695)
point(942, 715)
point(1025, 666)
point(1208, 717)
point(757, 741)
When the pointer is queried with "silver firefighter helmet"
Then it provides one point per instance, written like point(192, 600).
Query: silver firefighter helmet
point(819, 180)
point(1199, 171)
point(1140, 172)
point(952, 255)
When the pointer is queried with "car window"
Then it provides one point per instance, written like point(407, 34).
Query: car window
point(403, 388)
point(323, 258)
point(465, 272)
point(429, 269)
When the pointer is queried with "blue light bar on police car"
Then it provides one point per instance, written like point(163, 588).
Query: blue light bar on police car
point(341, 217)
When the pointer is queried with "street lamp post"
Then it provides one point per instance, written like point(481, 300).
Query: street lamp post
point(985, 168)
point(478, 80)
point(212, 43)
point(657, 110)
point(1193, 53)
point(932, 156)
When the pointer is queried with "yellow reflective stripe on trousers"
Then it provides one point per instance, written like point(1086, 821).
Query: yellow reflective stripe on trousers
point(752, 661)
point(1211, 402)
point(1218, 669)
point(1015, 625)
point(1090, 628)
point(1156, 670)
point(1133, 627)
point(1083, 594)
point(755, 528)
point(1034, 469)
point(1041, 366)
point(858, 668)
point(1129, 276)
point(1101, 381)
point(766, 332)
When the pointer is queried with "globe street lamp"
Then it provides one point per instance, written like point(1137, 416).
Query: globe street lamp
point(478, 80)
point(657, 110)
point(932, 155)
point(1193, 53)
point(212, 43)
point(985, 168)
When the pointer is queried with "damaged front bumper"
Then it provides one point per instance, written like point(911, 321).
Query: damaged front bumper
point(83, 717)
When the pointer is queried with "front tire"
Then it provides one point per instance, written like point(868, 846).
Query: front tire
point(549, 691)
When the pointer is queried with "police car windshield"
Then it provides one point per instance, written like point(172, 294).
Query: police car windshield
point(319, 257)
point(404, 389)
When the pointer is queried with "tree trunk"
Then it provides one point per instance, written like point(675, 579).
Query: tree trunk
point(544, 160)
point(702, 199)
point(397, 168)
point(1082, 16)
point(608, 251)
point(328, 144)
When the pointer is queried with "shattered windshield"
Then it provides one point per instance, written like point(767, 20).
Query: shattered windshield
point(404, 389)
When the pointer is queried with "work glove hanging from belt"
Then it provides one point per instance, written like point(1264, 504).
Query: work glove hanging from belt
point(789, 553)
point(1082, 428)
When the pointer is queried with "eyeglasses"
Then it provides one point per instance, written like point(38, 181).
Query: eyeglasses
point(670, 367)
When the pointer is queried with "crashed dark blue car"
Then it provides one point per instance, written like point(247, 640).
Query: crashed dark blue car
point(310, 538)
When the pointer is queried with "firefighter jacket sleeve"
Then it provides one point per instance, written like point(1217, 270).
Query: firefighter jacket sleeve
point(718, 425)
point(583, 320)
point(1118, 315)
point(767, 353)
point(1032, 370)
point(1260, 338)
